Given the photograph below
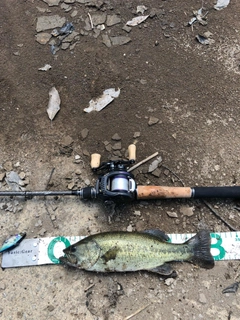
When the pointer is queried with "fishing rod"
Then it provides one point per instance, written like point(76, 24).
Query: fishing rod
point(117, 184)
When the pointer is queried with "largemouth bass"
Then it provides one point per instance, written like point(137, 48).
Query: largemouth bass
point(134, 251)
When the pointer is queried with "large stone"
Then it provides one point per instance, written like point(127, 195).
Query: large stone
point(112, 20)
point(106, 40)
point(84, 133)
point(43, 37)
point(49, 22)
point(71, 36)
point(98, 18)
point(152, 121)
point(120, 40)
point(52, 3)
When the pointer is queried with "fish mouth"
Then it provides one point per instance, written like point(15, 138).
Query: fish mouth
point(69, 259)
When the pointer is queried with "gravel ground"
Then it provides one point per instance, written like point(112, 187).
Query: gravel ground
point(178, 97)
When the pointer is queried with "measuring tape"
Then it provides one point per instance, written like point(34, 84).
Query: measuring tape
point(41, 251)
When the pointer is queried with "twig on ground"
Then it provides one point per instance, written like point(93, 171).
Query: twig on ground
point(137, 312)
point(50, 177)
point(47, 185)
point(89, 287)
point(218, 216)
point(143, 161)
point(174, 174)
point(90, 18)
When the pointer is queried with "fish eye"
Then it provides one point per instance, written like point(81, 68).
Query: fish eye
point(73, 249)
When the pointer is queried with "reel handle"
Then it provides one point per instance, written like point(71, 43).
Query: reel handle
point(95, 160)
point(132, 152)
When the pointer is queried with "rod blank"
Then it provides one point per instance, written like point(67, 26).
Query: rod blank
point(29, 194)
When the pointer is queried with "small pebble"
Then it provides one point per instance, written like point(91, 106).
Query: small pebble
point(152, 121)
point(129, 228)
point(42, 232)
point(202, 298)
point(87, 182)
point(136, 134)
point(2, 286)
point(169, 281)
point(172, 214)
point(22, 175)
point(116, 137)
point(71, 185)
point(50, 308)
point(137, 213)
point(84, 133)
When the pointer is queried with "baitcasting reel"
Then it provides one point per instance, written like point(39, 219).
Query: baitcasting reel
point(114, 182)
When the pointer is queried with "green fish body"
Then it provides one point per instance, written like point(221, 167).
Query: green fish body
point(134, 251)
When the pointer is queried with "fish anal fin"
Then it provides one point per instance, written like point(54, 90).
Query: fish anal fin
point(164, 270)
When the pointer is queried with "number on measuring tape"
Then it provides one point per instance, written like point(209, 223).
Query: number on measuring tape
point(218, 252)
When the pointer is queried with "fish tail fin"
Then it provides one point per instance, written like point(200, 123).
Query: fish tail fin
point(201, 245)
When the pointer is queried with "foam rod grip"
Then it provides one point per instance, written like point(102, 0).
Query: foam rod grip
point(132, 152)
point(95, 160)
point(156, 192)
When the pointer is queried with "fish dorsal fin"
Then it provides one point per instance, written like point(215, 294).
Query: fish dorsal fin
point(158, 233)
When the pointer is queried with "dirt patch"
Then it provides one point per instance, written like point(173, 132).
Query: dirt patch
point(163, 73)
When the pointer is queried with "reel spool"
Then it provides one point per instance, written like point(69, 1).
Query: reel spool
point(117, 183)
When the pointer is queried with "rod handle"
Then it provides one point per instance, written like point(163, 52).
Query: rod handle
point(157, 192)
point(95, 160)
point(132, 152)
point(232, 192)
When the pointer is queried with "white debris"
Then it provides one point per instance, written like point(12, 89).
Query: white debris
point(172, 214)
point(141, 9)
point(14, 181)
point(54, 103)
point(221, 4)
point(45, 68)
point(101, 27)
point(187, 211)
point(199, 16)
point(101, 102)
point(154, 164)
point(169, 281)
point(136, 21)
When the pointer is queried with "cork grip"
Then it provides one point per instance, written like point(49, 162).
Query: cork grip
point(95, 160)
point(132, 152)
point(156, 192)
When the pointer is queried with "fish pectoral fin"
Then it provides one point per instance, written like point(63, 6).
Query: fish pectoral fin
point(110, 254)
point(158, 233)
point(164, 270)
